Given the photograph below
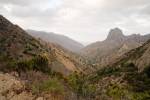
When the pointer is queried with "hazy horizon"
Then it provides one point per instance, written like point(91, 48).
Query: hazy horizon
point(86, 21)
point(84, 42)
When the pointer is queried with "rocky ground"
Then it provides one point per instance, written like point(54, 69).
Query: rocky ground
point(12, 88)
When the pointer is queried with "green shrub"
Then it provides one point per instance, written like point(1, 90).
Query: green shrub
point(39, 63)
point(73, 80)
point(51, 85)
point(79, 84)
point(88, 90)
point(2, 40)
point(147, 71)
point(139, 82)
point(107, 71)
point(140, 96)
point(117, 92)
point(23, 66)
point(128, 67)
point(121, 93)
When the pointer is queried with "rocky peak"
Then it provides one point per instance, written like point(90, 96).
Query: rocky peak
point(115, 34)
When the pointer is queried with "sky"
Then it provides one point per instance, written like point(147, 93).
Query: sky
point(86, 21)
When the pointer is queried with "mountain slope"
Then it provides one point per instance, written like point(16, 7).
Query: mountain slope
point(17, 46)
point(64, 41)
point(126, 79)
point(33, 69)
point(140, 56)
point(106, 52)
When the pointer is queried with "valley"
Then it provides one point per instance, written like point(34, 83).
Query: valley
point(36, 65)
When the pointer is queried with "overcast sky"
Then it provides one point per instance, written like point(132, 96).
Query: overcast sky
point(83, 20)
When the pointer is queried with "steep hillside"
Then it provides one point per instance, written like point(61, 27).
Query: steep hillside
point(127, 79)
point(17, 46)
point(140, 57)
point(32, 69)
point(72, 61)
point(106, 52)
point(64, 41)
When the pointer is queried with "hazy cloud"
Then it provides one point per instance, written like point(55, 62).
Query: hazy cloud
point(83, 20)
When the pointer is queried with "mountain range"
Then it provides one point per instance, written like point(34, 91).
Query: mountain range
point(62, 40)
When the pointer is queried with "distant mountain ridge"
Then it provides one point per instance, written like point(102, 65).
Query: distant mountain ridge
point(62, 40)
point(116, 44)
